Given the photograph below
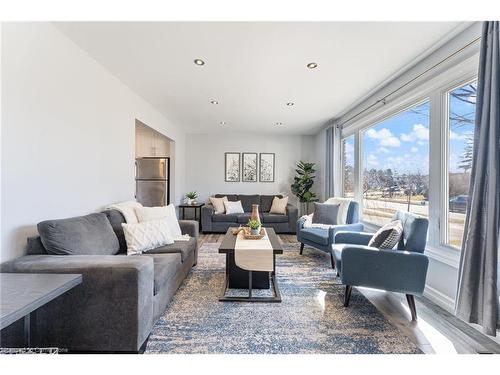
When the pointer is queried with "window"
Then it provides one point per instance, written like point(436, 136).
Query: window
point(461, 114)
point(396, 165)
point(348, 167)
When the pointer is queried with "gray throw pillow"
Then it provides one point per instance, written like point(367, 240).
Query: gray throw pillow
point(325, 213)
point(388, 236)
point(82, 235)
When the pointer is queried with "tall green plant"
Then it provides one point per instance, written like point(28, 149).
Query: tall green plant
point(303, 182)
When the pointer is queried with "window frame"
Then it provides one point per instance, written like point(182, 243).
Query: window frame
point(444, 231)
point(435, 89)
point(408, 105)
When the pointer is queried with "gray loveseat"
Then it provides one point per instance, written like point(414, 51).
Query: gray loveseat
point(219, 223)
point(121, 296)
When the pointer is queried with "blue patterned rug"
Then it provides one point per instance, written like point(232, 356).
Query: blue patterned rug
point(311, 318)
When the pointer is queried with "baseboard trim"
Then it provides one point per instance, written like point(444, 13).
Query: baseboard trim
point(440, 299)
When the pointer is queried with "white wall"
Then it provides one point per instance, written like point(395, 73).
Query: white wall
point(205, 162)
point(68, 130)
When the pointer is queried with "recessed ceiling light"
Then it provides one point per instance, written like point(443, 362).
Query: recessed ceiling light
point(199, 62)
point(222, 123)
point(290, 104)
point(312, 65)
point(214, 102)
point(279, 123)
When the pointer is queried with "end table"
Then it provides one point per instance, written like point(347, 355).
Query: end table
point(197, 211)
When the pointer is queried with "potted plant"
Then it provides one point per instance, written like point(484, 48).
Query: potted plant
point(191, 196)
point(254, 226)
point(302, 184)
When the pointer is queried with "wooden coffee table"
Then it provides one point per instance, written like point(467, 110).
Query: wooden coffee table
point(238, 278)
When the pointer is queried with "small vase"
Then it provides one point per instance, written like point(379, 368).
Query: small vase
point(255, 213)
point(190, 201)
point(255, 232)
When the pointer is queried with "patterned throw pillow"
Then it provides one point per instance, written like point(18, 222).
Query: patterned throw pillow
point(388, 236)
point(147, 235)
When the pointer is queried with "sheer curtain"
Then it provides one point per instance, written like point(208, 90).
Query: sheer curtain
point(477, 295)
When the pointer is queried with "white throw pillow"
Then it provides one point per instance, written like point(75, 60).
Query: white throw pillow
point(279, 206)
point(218, 204)
point(233, 207)
point(146, 236)
point(165, 212)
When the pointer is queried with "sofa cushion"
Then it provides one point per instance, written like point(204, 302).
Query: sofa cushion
point(83, 235)
point(317, 235)
point(230, 197)
point(248, 200)
point(266, 201)
point(35, 246)
point(181, 247)
point(116, 219)
point(147, 235)
point(218, 204)
point(279, 206)
point(233, 207)
point(226, 218)
point(165, 266)
point(325, 213)
point(388, 236)
point(274, 218)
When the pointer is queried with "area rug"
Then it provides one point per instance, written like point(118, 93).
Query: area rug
point(311, 318)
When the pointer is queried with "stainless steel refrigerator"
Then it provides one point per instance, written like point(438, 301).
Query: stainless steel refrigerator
point(152, 181)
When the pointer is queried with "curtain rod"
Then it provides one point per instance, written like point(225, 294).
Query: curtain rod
point(383, 100)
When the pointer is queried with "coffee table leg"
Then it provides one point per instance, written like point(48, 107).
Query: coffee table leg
point(249, 284)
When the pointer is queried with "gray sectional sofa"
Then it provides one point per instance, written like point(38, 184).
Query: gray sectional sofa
point(219, 223)
point(121, 296)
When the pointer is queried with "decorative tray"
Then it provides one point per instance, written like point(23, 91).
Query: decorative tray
point(248, 234)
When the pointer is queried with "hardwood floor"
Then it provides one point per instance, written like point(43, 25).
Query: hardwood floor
point(436, 331)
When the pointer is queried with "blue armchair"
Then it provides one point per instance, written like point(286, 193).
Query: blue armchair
point(401, 270)
point(322, 238)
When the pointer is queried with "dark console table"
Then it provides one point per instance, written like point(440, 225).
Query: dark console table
point(23, 293)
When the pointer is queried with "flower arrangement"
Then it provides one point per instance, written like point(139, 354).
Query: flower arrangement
point(254, 226)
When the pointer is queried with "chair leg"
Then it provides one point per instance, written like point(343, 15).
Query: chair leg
point(347, 295)
point(301, 248)
point(333, 260)
point(413, 307)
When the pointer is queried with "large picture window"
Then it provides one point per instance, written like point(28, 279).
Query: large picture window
point(461, 113)
point(396, 165)
point(348, 167)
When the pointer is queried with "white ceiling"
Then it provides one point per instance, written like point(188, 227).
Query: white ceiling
point(254, 69)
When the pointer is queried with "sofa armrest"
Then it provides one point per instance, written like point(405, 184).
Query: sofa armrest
point(392, 270)
point(112, 310)
point(190, 227)
point(332, 231)
point(293, 214)
point(207, 211)
point(355, 238)
point(300, 223)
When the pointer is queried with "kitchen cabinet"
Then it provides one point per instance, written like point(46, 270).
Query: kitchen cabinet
point(150, 143)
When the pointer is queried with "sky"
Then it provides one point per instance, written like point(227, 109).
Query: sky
point(401, 142)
